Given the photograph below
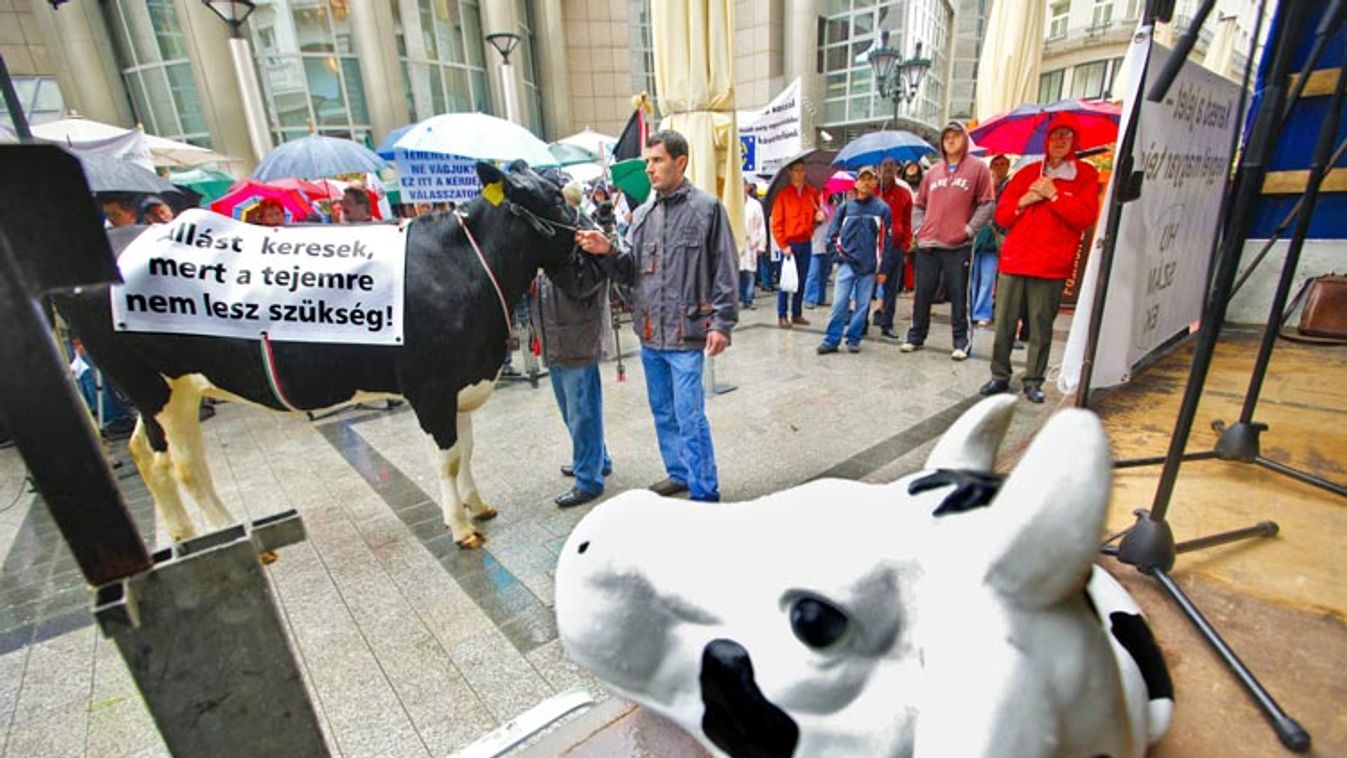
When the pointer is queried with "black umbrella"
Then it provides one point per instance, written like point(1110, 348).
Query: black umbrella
point(818, 167)
point(115, 178)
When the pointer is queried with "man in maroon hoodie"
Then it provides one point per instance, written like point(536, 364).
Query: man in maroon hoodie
point(956, 199)
point(1044, 211)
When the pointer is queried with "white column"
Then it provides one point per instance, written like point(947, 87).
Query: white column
point(254, 113)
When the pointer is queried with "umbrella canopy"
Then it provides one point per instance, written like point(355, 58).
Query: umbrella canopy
point(630, 177)
point(386, 149)
point(567, 154)
point(248, 194)
point(595, 142)
point(208, 182)
point(588, 172)
point(1011, 56)
point(694, 76)
point(818, 169)
point(839, 183)
point(313, 191)
point(111, 176)
point(1024, 130)
point(478, 136)
point(84, 134)
point(317, 156)
point(870, 149)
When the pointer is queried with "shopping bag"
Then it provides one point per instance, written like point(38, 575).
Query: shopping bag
point(790, 278)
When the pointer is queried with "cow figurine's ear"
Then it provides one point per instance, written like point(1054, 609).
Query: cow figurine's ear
point(1050, 512)
point(495, 183)
point(971, 443)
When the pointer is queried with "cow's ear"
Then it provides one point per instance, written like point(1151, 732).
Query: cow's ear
point(488, 173)
point(1050, 513)
point(971, 443)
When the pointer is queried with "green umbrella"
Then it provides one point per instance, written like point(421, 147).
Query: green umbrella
point(208, 182)
point(629, 176)
point(569, 155)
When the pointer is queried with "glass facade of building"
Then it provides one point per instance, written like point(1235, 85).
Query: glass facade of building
point(308, 67)
point(642, 50)
point(531, 98)
point(846, 33)
point(440, 44)
point(152, 55)
point(40, 98)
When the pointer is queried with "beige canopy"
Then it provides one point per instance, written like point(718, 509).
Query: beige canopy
point(1012, 52)
point(694, 77)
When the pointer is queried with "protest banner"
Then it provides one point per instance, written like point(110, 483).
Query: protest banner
point(774, 130)
point(211, 275)
point(1158, 280)
point(436, 178)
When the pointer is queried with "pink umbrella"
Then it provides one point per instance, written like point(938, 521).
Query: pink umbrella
point(839, 183)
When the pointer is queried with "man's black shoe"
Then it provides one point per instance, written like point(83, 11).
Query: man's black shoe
point(569, 470)
point(888, 332)
point(825, 348)
point(1034, 394)
point(994, 387)
point(667, 487)
point(575, 497)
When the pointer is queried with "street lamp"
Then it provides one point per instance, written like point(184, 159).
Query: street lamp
point(505, 43)
point(897, 80)
point(234, 13)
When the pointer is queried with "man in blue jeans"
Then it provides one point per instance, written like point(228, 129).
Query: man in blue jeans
point(679, 258)
point(859, 233)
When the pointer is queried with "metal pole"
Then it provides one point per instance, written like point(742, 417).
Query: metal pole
point(250, 92)
point(507, 86)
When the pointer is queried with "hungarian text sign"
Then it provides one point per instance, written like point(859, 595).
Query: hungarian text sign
point(436, 178)
point(208, 274)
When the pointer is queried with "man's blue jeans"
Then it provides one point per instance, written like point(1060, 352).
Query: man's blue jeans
point(982, 281)
point(580, 398)
point(816, 285)
point(789, 304)
point(850, 285)
point(673, 384)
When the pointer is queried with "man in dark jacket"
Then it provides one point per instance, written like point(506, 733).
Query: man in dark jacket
point(859, 233)
point(680, 259)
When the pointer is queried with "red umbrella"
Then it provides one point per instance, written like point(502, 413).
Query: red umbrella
point(1024, 130)
point(839, 183)
point(320, 190)
point(248, 194)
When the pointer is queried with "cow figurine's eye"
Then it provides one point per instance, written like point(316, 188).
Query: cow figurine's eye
point(816, 623)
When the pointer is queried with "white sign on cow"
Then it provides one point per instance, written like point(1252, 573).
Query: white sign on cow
point(211, 275)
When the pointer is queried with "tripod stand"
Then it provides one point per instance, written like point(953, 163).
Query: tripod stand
point(1149, 543)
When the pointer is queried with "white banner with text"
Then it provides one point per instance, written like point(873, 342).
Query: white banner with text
point(1159, 273)
point(211, 275)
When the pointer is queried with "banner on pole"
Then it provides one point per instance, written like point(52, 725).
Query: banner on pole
point(1158, 283)
point(208, 274)
point(436, 178)
point(775, 130)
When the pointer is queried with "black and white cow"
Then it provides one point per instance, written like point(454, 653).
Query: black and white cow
point(454, 342)
point(915, 623)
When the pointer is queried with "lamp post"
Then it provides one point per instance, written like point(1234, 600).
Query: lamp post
point(234, 13)
point(898, 80)
point(505, 43)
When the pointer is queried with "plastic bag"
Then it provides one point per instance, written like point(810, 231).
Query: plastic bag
point(790, 278)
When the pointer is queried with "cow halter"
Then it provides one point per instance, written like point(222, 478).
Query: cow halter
point(490, 275)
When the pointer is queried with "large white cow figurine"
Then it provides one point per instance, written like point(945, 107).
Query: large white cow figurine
point(851, 619)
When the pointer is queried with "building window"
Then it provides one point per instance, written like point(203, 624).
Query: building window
point(1059, 14)
point(1050, 86)
point(1101, 14)
point(1134, 9)
point(1090, 80)
point(440, 45)
point(152, 54)
point(39, 97)
point(532, 116)
point(642, 50)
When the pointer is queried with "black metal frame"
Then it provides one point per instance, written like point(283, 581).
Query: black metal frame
point(1148, 544)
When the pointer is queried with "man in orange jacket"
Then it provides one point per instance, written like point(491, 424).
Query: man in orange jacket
point(1044, 210)
point(796, 210)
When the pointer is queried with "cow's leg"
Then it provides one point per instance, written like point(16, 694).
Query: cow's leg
point(182, 423)
point(467, 486)
point(449, 464)
point(149, 451)
point(436, 409)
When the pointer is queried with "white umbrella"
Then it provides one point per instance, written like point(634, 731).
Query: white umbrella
point(1012, 53)
point(79, 133)
point(476, 135)
point(584, 172)
point(694, 75)
point(595, 142)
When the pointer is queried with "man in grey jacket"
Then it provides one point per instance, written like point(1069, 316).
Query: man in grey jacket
point(679, 258)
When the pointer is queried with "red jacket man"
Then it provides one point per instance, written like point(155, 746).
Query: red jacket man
point(1045, 208)
point(795, 211)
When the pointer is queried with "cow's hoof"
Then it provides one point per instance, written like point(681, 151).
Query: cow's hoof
point(486, 514)
point(471, 542)
point(268, 557)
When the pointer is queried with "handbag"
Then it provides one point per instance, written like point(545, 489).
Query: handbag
point(1325, 313)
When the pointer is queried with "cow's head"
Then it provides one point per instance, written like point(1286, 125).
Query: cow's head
point(536, 202)
point(847, 618)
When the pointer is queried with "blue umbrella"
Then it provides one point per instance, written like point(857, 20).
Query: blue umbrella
point(386, 149)
point(870, 149)
point(316, 157)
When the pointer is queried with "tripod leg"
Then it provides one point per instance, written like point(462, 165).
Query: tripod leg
point(1261, 529)
point(1156, 460)
point(1291, 733)
point(1301, 476)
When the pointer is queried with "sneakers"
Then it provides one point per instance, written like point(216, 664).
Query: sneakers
point(825, 349)
point(909, 347)
point(853, 347)
point(960, 353)
point(669, 486)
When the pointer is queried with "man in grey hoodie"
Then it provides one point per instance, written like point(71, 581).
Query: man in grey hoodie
point(957, 197)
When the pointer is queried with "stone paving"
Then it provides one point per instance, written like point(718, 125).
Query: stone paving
point(408, 645)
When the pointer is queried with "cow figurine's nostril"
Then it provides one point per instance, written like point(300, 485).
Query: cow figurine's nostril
point(583, 547)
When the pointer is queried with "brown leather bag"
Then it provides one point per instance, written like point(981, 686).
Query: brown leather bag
point(1325, 313)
